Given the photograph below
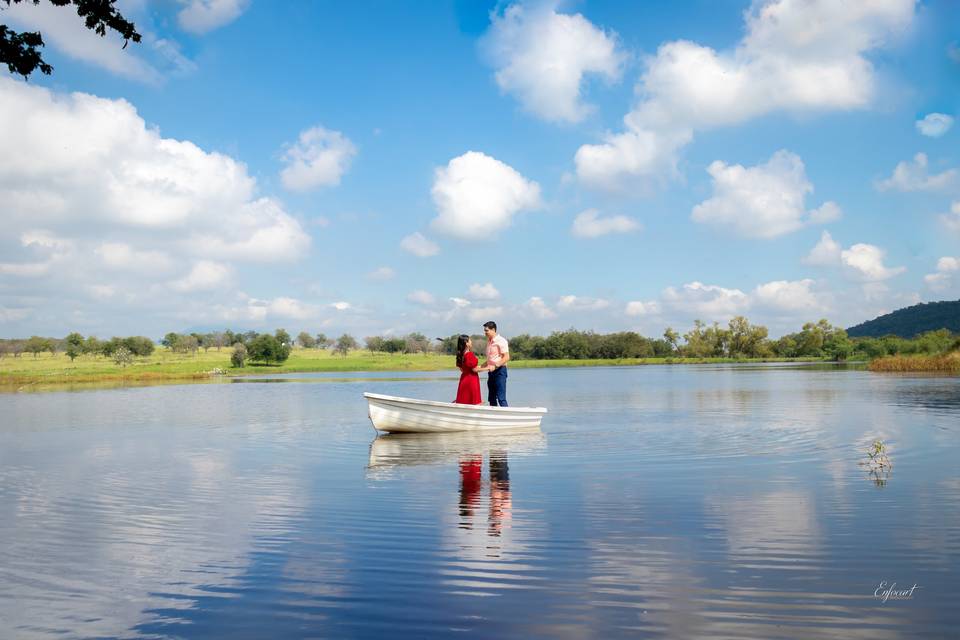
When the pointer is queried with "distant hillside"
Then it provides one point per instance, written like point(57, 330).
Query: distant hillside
point(910, 321)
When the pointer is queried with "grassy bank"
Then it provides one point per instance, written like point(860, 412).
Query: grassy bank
point(164, 365)
point(948, 363)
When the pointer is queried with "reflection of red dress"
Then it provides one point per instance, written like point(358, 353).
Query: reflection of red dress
point(468, 391)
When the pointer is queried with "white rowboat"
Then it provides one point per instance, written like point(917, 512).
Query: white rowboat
point(408, 415)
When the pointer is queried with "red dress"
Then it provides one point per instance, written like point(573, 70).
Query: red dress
point(468, 391)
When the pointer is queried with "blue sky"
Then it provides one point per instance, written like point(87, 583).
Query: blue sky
point(385, 168)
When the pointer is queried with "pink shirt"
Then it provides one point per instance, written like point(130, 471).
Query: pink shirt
point(496, 349)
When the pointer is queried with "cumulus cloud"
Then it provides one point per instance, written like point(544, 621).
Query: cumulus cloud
point(640, 308)
point(93, 159)
point(542, 57)
point(484, 291)
point(201, 16)
point(102, 199)
point(866, 262)
point(795, 57)
point(824, 253)
point(861, 261)
point(419, 245)
point(319, 158)
point(589, 224)
point(477, 195)
point(952, 220)
point(581, 303)
point(789, 296)
point(913, 176)
point(205, 275)
point(763, 201)
point(62, 29)
point(708, 301)
point(341, 305)
point(539, 309)
point(382, 273)
point(934, 125)
point(943, 278)
point(421, 297)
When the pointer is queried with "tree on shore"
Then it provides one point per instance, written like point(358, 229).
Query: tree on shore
point(267, 348)
point(239, 356)
point(345, 343)
point(123, 356)
point(20, 51)
point(306, 340)
point(74, 345)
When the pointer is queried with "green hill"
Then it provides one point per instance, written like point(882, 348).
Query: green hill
point(909, 321)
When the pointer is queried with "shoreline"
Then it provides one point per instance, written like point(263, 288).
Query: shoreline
point(203, 369)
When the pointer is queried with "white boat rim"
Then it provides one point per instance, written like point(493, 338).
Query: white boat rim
point(472, 407)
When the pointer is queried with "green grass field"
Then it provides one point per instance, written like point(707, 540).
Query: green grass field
point(164, 365)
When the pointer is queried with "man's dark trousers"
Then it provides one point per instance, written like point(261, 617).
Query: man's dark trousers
point(497, 387)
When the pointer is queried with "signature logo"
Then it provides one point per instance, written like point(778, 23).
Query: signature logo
point(884, 592)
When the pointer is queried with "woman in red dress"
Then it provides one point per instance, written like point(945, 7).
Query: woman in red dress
point(468, 391)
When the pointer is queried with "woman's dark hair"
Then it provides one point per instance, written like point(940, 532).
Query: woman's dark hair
point(461, 348)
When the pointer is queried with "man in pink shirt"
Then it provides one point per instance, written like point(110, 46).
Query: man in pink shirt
point(498, 354)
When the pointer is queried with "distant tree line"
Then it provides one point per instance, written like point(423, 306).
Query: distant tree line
point(738, 339)
point(75, 345)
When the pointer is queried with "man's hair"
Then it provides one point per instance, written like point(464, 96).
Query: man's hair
point(490, 325)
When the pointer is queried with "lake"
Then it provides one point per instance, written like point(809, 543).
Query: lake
point(712, 501)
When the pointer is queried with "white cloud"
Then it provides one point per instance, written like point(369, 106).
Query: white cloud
point(341, 306)
point(483, 314)
point(536, 307)
point(205, 275)
point(460, 303)
point(935, 125)
point(824, 253)
point(542, 57)
point(484, 291)
point(382, 273)
point(421, 297)
point(318, 159)
point(862, 261)
point(710, 301)
point(944, 277)
point(201, 16)
point(795, 57)
point(913, 176)
point(94, 159)
point(419, 245)
point(260, 231)
point(119, 255)
point(827, 212)
point(948, 263)
point(763, 201)
point(581, 303)
point(588, 224)
point(640, 308)
point(477, 195)
point(62, 29)
point(784, 295)
point(952, 220)
point(866, 262)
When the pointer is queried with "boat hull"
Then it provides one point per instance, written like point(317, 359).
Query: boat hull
point(394, 414)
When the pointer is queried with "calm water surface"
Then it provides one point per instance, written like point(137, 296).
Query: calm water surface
point(659, 501)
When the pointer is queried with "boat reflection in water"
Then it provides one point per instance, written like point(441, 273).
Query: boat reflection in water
point(484, 504)
point(390, 451)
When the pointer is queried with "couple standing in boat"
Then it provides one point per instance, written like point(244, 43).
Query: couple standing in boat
point(498, 354)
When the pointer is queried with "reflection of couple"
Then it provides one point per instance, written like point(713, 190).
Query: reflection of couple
point(471, 467)
point(498, 354)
